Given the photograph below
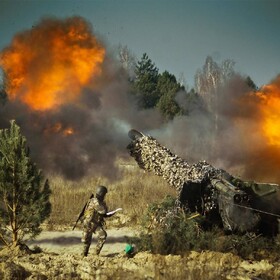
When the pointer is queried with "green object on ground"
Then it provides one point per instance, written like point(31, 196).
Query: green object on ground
point(128, 249)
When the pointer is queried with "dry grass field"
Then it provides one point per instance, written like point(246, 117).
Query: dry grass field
point(133, 191)
point(59, 257)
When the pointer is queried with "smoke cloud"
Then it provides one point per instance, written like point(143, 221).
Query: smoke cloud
point(239, 137)
point(70, 99)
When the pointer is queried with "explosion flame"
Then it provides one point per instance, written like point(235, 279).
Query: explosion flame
point(270, 104)
point(71, 102)
point(56, 76)
point(256, 144)
point(49, 65)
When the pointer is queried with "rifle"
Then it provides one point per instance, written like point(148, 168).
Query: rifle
point(82, 212)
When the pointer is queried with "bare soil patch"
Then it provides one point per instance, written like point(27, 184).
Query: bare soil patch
point(61, 259)
point(69, 241)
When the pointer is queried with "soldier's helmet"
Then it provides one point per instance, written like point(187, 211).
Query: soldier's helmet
point(101, 192)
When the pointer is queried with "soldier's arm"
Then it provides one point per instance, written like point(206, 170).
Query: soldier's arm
point(111, 213)
point(101, 209)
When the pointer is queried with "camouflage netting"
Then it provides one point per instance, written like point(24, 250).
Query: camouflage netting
point(152, 156)
point(201, 188)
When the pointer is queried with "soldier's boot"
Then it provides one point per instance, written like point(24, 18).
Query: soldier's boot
point(85, 250)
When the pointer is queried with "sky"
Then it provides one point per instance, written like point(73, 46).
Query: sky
point(176, 35)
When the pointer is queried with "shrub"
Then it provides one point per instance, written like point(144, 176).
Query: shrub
point(168, 230)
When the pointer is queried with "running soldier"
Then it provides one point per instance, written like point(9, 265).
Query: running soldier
point(93, 220)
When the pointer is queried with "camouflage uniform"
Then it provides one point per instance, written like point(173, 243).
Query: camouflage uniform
point(93, 223)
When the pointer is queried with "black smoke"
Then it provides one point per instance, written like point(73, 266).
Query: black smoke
point(100, 118)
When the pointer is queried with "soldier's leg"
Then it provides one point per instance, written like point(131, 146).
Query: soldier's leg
point(101, 238)
point(86, 238)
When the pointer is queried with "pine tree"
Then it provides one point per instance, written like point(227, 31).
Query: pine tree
point(168, 87)
point(145, 83)
point(24, 197)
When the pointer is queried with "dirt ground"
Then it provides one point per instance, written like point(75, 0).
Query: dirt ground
point(69, 241)
point(61, 259)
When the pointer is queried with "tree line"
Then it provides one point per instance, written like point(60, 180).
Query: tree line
point(163, 91)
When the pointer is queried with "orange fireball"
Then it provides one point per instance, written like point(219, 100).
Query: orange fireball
point(49, 65)
point(270, 110)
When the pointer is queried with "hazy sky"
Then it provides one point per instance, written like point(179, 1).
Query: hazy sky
point(176, 35)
